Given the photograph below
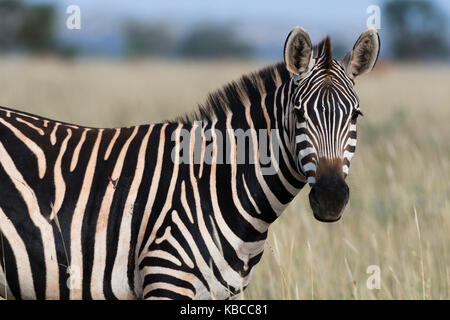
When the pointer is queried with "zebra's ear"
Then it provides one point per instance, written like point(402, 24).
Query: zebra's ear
point(298, 51)
point(364, 55)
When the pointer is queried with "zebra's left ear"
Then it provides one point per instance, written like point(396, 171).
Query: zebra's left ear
point(298, 51)
point(364, 55)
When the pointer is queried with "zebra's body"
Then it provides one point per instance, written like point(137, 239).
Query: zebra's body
point(128, 217)
point(118, 200)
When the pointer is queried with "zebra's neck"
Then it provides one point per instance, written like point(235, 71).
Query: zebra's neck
point(256, 110)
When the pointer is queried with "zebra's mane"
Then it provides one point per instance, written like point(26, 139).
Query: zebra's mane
point(232, 95)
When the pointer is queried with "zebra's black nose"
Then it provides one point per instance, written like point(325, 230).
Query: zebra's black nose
point(328, 198)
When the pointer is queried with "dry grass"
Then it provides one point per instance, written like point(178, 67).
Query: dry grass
point(399, 212)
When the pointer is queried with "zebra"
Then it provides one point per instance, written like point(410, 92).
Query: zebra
point(112, 213)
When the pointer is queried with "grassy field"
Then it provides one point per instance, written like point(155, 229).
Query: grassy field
point(398, 217)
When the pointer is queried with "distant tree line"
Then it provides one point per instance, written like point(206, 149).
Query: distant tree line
point(416, 29)
point(29, 28)
point(204, 41)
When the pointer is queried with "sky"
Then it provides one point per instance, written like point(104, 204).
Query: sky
point(264, 23)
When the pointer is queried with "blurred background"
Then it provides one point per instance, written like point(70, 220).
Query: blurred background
point(138, 62)
point(415, 29)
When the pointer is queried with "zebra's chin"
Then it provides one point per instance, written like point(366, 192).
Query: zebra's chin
point(326, 220)
point(325, 215)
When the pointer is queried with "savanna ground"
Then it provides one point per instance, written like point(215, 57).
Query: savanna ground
point(398, 217)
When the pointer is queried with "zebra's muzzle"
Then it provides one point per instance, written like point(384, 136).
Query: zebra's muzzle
point(328, 198)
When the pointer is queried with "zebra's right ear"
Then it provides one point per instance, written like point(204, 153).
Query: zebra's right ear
point(298, 51)
point(364, 54)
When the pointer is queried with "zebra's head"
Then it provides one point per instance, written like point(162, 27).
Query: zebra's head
point(325, 111)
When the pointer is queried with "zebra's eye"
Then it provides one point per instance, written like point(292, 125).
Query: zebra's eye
point(356, 114)
point(300, 114)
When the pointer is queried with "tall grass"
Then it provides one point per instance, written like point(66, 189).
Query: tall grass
point(398, 217)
